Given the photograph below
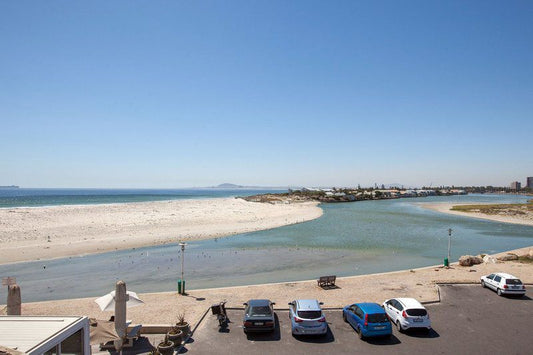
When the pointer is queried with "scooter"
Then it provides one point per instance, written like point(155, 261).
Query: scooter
point(220, 311)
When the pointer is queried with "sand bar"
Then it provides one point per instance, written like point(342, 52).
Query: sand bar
point(163, 308)
point(35, 233)
point(526, 219)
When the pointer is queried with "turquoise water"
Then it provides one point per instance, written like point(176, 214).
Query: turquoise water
point(349, 239)
point(53, 197)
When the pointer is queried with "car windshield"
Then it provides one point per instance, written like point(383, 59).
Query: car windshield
point(377, 318)
point(309, 314)
point(416, 312)
point(513, 282)
point(260, 311)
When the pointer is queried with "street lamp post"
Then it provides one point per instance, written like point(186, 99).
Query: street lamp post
point(449, 242)
point(182, 245)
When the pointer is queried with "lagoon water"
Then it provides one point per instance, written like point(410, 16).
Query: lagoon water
point(349, 239)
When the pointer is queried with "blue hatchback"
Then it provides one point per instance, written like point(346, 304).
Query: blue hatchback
point(368, 319)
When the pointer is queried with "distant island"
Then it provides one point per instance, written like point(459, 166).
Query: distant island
point(10, 187)
point(227, 185)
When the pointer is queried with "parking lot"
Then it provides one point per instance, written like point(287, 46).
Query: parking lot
point(469, 319)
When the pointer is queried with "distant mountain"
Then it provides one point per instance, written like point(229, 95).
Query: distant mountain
point(229, 186)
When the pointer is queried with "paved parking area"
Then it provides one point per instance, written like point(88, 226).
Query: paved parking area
point(469, 319)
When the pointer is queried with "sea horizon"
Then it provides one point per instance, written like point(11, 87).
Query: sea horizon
point(45, 197)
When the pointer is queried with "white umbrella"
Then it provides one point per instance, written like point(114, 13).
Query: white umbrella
point(107, 302)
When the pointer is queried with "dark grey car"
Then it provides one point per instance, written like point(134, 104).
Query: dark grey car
point(259, 316)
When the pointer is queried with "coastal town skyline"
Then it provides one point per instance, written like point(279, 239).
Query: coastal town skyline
point(173, 95)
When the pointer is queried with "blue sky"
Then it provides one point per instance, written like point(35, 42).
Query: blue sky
point(196, 93)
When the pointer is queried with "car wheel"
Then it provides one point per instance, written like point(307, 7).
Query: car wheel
point(399, 326)
point(499, 292)
point(483, 284)
point(361, 336)
point(344, 317)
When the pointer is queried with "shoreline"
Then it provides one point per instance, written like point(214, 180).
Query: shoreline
point(445, 207)
point(44, 233)
point(420, 283)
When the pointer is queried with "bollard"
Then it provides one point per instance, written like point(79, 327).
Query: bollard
point(13, 300)
point(446, 262)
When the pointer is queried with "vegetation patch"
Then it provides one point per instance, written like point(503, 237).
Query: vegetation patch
point(525, 259)
point(497, 209)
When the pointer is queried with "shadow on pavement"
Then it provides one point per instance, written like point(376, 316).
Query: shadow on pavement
point(140, 346)
point(422, 333)
point(392, 340)
point(518, 297)
point(317, 339)
point(271, 336)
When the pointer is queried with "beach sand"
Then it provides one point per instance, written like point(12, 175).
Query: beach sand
point(35, 233)
point(163, 308)
point(526, 219)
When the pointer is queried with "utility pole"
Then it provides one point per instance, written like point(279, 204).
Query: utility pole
point(449, 242)
point(182, 280)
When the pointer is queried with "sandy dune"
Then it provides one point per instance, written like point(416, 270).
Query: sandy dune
point(526, 219)
point(50, 232)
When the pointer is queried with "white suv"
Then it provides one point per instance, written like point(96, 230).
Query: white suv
point(504, 284)
point(407, 313)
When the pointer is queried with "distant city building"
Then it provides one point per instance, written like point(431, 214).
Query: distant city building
point(530, 182)
point(515, 185)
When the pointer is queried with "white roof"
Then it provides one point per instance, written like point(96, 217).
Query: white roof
point(505, 276)
point(26, 333)
point(410, 303)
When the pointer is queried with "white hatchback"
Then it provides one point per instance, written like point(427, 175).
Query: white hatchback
point(504, 284)
point(407, 313)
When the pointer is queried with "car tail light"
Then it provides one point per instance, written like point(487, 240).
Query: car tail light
point(366, 320)
point(505, 286)
point(322, 320)
point(268, 324)
point(404, 314)
point(247, 324)
point(523, 287)
point(298, 320)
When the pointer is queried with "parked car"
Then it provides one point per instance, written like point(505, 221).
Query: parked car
point(407, 313)
point(368, 319)
point(307, 317)
point(259, 316)
point(504, 284)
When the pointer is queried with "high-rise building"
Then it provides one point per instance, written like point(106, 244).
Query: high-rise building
point(515, 185)
point(530, 182)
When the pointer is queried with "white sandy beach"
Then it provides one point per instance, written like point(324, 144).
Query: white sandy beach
point(526, 219)
point(59, 231)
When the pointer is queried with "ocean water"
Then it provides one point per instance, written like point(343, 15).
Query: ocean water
point(349, 239)
point(24, 197)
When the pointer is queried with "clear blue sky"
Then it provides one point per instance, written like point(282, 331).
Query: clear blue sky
point(329, 93)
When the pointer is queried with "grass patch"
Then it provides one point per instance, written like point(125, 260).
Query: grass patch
point(524, 259)
point(511, 208)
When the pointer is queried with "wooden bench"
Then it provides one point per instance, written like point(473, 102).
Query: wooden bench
point(326, 281)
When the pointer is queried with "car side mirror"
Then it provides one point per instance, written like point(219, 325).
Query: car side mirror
point(245, 304)
point(321, 303)
point(273, 303)
point(290, 303)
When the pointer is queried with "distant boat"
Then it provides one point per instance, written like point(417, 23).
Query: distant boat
point(10, 187)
